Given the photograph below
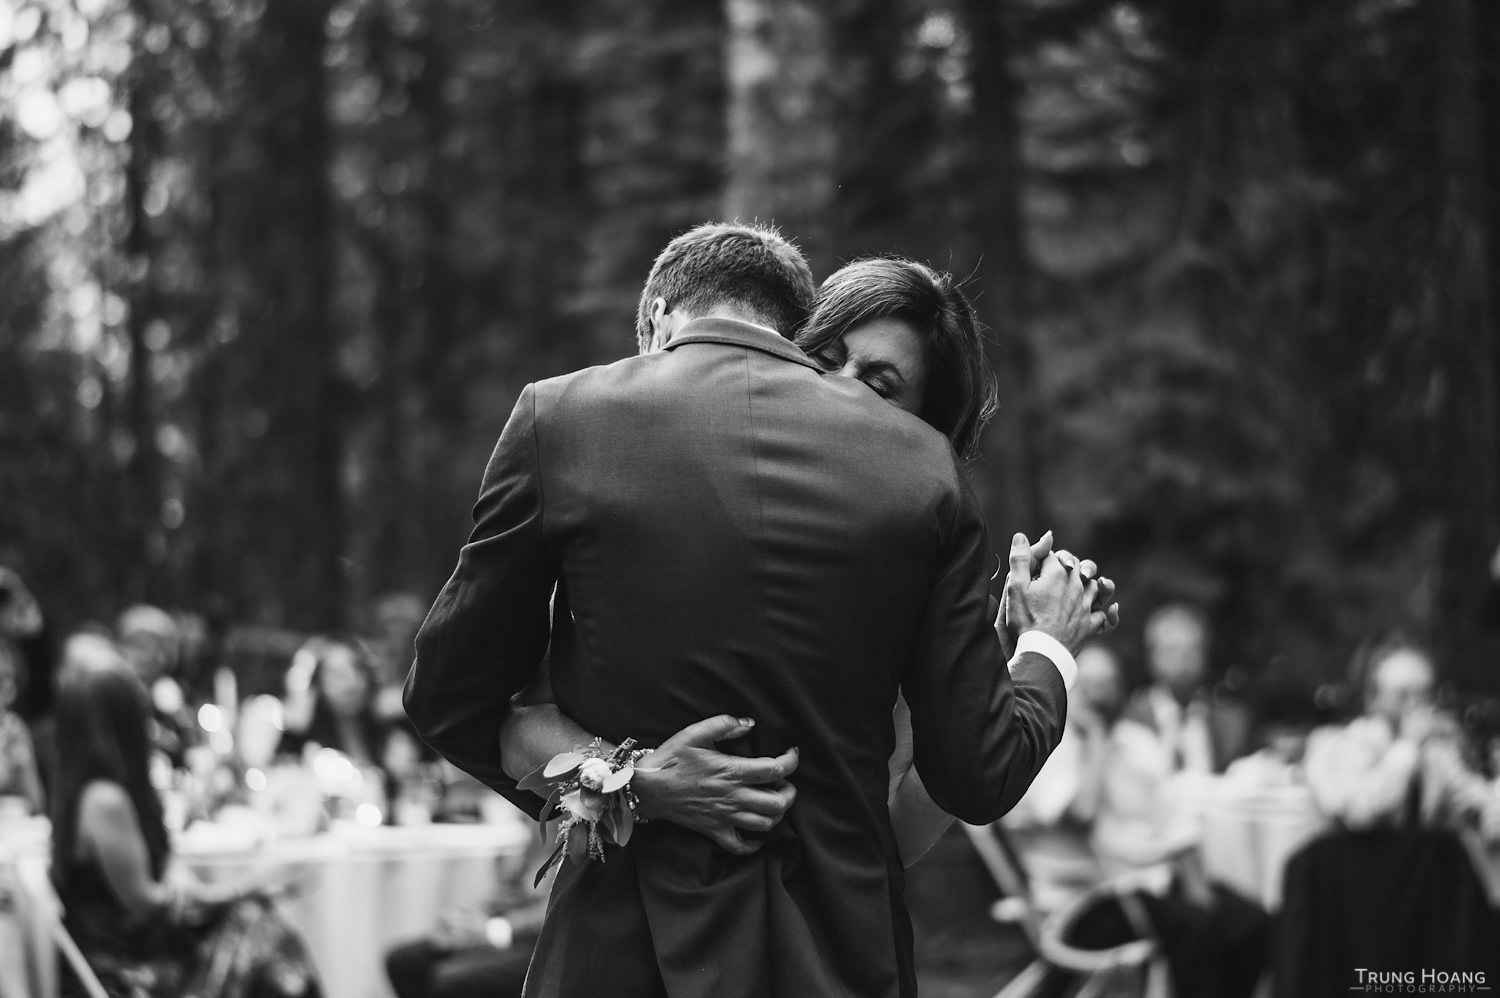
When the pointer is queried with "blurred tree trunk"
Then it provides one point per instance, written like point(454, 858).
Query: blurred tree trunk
point(291, 293)
point(1461, 312)
point(782, 128)
point(1004, 271)
point(143, 466)
point(652, 162)
point(889, 123)
point(1488, 35)
point(213, 315)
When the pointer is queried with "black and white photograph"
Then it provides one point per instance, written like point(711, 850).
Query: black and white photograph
point(749, 498)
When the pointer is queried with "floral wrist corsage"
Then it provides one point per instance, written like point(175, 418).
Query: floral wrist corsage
point(589, 800)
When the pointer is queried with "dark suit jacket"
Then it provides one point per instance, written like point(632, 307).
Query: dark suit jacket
point(731, 531)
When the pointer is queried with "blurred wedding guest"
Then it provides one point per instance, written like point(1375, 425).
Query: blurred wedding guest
point(1399, 765)
point(392, 625)
point(477, 954)
point(1160, 761)
point(1285, 719)
point(146, 926)
point(1199, 732)
point(83, 648)
point(330, 688)
point(151, 642)
point(22, 621)
point(20, 776)
point(1052, 824)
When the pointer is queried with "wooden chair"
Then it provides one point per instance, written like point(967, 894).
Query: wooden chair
point(46, 907)
point(1059, 966)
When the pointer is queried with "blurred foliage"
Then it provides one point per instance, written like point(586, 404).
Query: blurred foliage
point(275, 271)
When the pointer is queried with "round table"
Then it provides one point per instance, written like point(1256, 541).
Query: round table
point(362, 891)
point(1249, 833)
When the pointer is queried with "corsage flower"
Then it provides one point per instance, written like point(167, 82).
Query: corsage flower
point(589, 800)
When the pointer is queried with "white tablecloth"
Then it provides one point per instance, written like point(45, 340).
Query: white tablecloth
point(364, 890)
point(25, 954)
point(1250, 833)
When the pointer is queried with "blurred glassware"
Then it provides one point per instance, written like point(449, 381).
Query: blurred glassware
point(14, 811)
point(294, 800)
point(259, 731)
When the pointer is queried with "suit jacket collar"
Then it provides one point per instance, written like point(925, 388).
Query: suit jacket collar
point(733, 332)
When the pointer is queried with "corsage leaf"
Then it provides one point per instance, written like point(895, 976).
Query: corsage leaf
point(624, 826)
point(561, 764)
point(554, 860)
point(548, 809)
point(534, 780)
point(614, 781)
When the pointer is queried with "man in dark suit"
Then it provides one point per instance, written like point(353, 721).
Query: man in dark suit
point(728, 530)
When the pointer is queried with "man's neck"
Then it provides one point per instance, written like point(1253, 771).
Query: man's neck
point(738, 315)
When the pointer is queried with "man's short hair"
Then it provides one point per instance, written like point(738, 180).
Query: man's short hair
point(750, 268)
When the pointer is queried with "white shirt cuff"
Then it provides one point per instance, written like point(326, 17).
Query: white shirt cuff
point(1050, 648)
point(499, 932)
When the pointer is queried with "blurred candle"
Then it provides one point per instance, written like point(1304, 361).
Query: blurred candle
point(227, 695)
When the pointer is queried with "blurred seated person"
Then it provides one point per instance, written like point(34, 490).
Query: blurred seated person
point(80, 649)
point(393, 622)
point(146, 926)
point(478, 954)
point(151, 642)
point(330, 703)
point(1200, 732)
point(1051, 825)
point(1285, 720)
point(22, 621)
point(19, 774)
point(1399, 765)
point(1160, 759)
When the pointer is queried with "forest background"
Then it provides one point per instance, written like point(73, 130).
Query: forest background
point(273, 272)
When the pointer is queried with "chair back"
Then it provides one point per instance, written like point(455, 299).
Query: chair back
point(1097, 970)
point(47, 910)
point(1381, 900)
point(1017, 905)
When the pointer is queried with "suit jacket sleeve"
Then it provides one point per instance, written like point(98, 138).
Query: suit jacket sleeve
point(486, 635)
point(981, 730)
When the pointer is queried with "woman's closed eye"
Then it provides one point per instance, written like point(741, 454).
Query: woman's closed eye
point(830, 358)
point(883, 379)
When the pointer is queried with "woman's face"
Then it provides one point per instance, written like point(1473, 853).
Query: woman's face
point(885, 354)
point(343, 683)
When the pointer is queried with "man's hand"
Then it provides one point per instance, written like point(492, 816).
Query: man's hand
point(1007, 625)
point(1065, 599)
point(1419, 723)
point(691, 784)
point(459, 928)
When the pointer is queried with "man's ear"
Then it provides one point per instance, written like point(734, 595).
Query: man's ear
point(661, 325)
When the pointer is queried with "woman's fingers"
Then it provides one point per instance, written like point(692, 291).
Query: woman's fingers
point(730, 840)
point(764, 769)
point(770, 802)
point(710, 731)
point(748, 821)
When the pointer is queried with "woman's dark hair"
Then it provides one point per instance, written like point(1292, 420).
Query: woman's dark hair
point(961, 396)
point(103, 725)
point(323, 728)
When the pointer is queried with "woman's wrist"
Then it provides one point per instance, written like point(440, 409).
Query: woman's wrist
point(646, 790)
